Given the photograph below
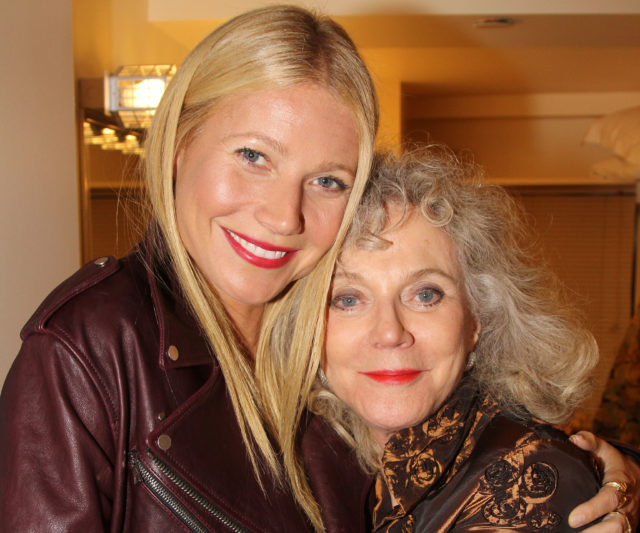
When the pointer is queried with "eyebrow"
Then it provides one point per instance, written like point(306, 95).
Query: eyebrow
point(341, 273)
point(276, 145)
point(281, 150)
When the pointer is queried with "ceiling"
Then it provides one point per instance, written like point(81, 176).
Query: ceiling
point(438, 46)
point(211, 9)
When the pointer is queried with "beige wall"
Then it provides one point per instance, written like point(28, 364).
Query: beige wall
point(38, 204)
point(520, 139)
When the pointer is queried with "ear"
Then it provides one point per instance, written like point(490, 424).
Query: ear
point(474, 332)
point(177, 162)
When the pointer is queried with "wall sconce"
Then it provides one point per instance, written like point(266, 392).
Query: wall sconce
point(132, 93)
point(112, 139)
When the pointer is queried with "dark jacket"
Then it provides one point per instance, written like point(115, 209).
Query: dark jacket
point(115, 417)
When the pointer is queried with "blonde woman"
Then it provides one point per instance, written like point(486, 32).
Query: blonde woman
point(449, 353)
point(166, 391)
point(148, 394)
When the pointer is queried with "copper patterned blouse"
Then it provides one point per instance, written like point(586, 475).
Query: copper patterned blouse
point(471, 468)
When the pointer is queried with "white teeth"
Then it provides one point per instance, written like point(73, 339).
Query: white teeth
point(256, 250)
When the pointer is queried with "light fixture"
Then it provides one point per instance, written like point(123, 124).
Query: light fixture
point(108, 138)
point(133, 92)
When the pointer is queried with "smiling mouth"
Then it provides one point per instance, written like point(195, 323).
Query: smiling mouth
point(258, 253)
point(257, 250)
point(393, 377)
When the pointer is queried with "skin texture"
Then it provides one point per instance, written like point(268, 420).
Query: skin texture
point(275, 167)
point(398, 331)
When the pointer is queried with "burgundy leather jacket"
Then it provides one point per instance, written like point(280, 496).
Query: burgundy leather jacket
point(115, 417)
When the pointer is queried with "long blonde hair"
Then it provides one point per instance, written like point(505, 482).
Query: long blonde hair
point(272, 47)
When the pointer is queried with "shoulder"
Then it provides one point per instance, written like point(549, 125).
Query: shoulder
point(95, 292)
point(91, 325)
point(529, 474)
point(506, 436)
point(80, 341)
point(511, 449)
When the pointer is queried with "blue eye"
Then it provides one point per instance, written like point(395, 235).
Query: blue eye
point(327, 182)
point(344, 302)
point(429, 296)
point(426, 296)
point(253, 156)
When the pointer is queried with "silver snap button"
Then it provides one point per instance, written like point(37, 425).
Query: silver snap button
point(101, 261)
point(173, 353)
point(164, 442)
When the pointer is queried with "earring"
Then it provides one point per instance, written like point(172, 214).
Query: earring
point(471, 360)
point(323, 378)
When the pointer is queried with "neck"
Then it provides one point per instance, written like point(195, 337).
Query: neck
point(246, 319)
point(381, 436)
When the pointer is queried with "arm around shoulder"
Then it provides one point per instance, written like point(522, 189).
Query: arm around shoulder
point(532, 487)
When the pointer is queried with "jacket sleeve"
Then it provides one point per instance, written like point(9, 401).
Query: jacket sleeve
point(533, 487)
point(626, 449)
point(56, 442)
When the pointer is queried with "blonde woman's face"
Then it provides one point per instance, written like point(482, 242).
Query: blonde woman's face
point(399, 329)
point(262, 188)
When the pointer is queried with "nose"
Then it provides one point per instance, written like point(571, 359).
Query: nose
point(280, 210)
point(389, 329)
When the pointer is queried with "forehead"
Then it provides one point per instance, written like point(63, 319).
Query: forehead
point(305, 119)
point(284, 111)
point(304, 96)
point(414, 244)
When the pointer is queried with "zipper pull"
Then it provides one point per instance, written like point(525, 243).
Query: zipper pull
point(133, 463)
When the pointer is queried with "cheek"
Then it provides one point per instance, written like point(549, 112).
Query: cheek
point(183, 206)
point(226, 188)
point(322, 223)
point(203, 196)
point(332, 341)
point(339, 343)
point(341, 378)
point(445, 341)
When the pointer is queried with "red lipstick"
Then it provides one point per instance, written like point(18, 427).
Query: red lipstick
point(254, 251)
point(399, 376)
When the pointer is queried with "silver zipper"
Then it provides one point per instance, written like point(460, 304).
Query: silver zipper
point(167, 497)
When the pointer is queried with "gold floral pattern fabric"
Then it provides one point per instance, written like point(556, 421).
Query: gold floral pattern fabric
point(470, 468)
point(515, 494)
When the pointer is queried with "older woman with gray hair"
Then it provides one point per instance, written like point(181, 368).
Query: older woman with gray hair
point(450, 352)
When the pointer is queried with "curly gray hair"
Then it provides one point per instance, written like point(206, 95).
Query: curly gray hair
point(533, 354)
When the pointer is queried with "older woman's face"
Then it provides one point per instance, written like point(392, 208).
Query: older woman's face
point(262, 188)
point(399, 329)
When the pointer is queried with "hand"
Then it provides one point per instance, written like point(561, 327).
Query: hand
point(616, 467)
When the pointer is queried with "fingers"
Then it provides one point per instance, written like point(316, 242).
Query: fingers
point(607, 455)
point(612, 523)
point(616, 467)
point(616, 521)
point(585, 440)
point(602, 503)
